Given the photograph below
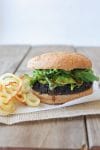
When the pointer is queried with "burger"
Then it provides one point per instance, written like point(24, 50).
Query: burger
point(59, 77)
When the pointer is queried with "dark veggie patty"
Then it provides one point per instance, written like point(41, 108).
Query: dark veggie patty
point(60, 90)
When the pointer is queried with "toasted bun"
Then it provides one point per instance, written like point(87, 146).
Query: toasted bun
point(59, 99)
point(59, 60)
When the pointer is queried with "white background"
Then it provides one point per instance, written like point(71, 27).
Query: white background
point(50, 22)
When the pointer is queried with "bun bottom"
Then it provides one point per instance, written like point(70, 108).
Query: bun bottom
point(60, 99)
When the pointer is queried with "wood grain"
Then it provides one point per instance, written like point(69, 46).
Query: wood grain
point(58, 133)
point(93, 122)
point(11, 57)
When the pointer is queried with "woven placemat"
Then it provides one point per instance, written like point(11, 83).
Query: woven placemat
point(66, 112)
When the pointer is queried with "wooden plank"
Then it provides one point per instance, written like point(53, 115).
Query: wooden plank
point(93, 127)
point(93, 122)
point(57, 133)
point(11, 57)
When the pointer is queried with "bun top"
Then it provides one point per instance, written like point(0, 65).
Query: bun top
point(60, 60)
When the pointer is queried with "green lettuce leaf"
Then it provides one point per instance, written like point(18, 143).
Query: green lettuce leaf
point(58, 77)
point(62, 80)
point(86, 75)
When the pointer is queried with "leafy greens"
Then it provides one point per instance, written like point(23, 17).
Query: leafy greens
point(58, 77)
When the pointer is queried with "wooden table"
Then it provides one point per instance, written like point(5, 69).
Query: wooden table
point(55, 133)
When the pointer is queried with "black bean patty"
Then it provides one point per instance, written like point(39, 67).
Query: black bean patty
point(60, 90)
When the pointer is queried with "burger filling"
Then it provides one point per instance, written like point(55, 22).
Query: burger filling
point(60, 90)
point(61, 82)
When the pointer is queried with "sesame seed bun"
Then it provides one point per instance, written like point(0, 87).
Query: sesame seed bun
point(60, 60)
point(60, 99)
